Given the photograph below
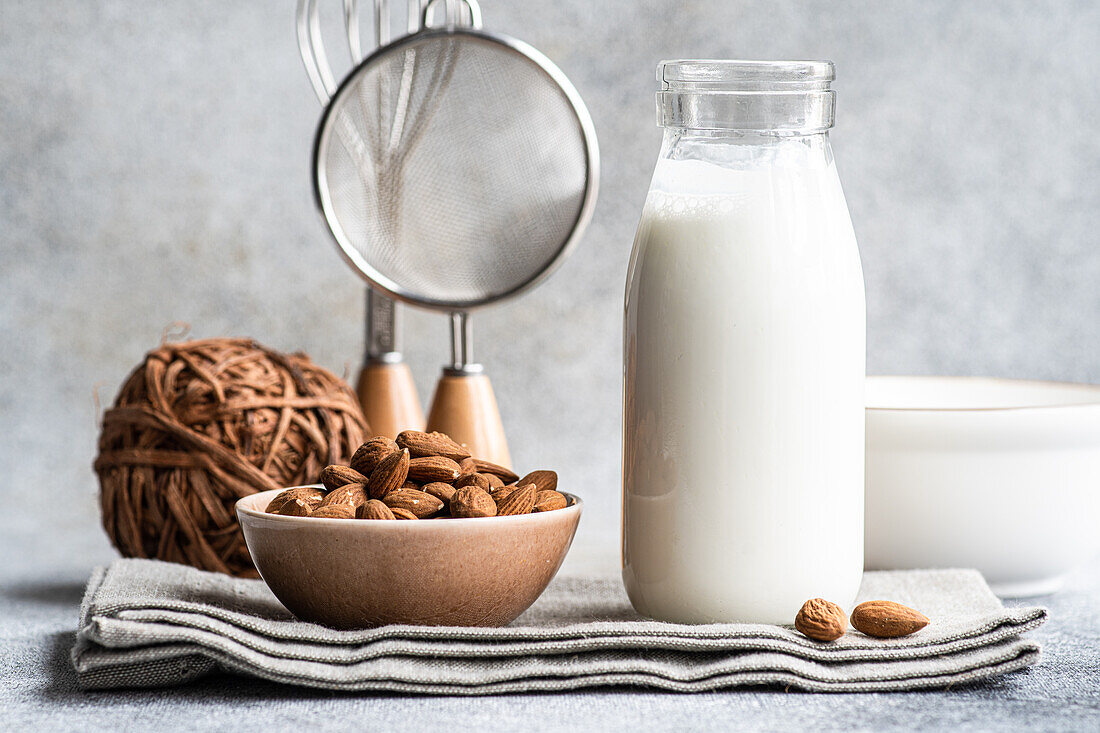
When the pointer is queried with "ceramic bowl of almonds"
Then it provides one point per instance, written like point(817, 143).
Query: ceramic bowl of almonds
point(413, 531)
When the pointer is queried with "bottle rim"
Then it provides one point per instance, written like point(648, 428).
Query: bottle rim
point(745, 75)
point(791, 97)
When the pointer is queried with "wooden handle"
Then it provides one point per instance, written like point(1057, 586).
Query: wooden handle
point(388, 396)
point(465, 408)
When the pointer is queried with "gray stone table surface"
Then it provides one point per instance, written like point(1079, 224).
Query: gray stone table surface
point(43, 576)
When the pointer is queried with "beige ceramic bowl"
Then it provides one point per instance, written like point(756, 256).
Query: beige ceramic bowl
point(354, 573)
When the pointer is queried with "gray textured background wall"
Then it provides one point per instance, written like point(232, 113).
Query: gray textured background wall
point(154, 168)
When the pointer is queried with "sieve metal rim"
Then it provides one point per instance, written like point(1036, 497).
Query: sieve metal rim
point(584, 215)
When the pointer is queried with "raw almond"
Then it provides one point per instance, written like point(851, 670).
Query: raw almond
point(373, 509)
point(502, 493)
point(467, 466)
point(420, 503)
point(371, 453)
point(494, 480)
point(400, 513)
point(821, 620)
point(310, 494)
point(350, 494)
point(334, 511)
point(471, 501)
point(333, 477)
point(474, 479)
point(886, 619)
point(520, 501)
point(543, 480)
point(507, 475)
point(431, 444)
point(296, 508)
point(433, 468)
point(389, 474)
point(440, 490)
point(548, 501)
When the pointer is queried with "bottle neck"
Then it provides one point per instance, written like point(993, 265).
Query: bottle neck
point(750, 96)
point(738, 149)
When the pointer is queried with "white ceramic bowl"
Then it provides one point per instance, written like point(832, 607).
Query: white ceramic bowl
point(995, 474)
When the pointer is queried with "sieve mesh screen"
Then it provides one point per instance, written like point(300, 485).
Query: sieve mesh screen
point(475, 190)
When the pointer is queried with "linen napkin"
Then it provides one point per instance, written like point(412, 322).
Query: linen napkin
point(145, 623)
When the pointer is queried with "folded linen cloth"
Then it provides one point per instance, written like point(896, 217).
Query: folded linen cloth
point(145, 623)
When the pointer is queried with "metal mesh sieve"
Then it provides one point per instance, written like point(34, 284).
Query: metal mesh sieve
point(455, 167)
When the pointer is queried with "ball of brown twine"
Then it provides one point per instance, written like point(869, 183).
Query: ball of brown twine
point(200, 424)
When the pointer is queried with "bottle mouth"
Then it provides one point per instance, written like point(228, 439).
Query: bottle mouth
point(760, 96)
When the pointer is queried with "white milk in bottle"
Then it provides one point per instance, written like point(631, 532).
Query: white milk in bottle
point(744, 354)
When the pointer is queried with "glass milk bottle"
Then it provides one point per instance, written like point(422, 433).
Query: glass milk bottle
point(744, 354)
